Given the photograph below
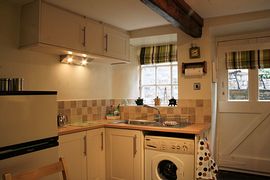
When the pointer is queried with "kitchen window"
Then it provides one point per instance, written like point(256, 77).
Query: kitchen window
point(159, 73)
point(159, 80)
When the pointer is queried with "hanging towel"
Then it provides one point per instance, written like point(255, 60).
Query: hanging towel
point(206, 167)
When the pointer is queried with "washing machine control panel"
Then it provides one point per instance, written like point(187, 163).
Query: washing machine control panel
point(169, 144)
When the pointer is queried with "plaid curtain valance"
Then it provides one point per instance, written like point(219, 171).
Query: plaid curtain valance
point(264, 59)
point(158, 54)
point(248, 59)
point(241, 59)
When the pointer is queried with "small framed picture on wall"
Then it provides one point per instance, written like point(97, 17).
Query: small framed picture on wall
point(194, 52)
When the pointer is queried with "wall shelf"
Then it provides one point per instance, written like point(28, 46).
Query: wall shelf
point(201, 64)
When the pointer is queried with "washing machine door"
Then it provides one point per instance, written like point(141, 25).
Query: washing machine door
point(166, 167)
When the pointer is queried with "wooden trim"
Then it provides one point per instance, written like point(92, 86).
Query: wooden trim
point(179, 13)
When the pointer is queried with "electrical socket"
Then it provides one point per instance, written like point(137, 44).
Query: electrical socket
point(197, 86)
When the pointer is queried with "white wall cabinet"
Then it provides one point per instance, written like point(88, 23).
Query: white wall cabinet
point(93, 37)
point(51, 26)
point(52, 29)
point(124, 159)
point(96, 154)
point(116, 43)
point(72, 148)
point(61, 28)
point(84, 153)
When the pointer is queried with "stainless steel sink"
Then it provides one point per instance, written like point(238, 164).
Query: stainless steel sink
point(138, 122)
point(151, 123)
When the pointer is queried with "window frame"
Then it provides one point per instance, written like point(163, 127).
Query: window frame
point(171, 65)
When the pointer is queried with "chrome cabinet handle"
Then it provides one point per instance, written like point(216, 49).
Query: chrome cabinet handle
point(106, 42)
point(102, 136)
point(84, 38)
point(134, 146)
point(85, 145)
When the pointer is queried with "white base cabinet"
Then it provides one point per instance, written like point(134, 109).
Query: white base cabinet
point(96, 154)
point(84, 153)
point(124, 158)
point(72, 149)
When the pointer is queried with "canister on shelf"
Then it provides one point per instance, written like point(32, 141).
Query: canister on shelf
point(157, 101)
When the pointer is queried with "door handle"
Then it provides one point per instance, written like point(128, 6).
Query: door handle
point(85, 145)
point(84, 38)
point(134, 146)
point(106, 42)
point(102, 136)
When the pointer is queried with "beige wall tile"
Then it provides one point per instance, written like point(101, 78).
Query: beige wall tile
point(67, 104)
point(199, 103)
point(61, 105)
point(84, 103)
point(73, 104)
point(94, 103)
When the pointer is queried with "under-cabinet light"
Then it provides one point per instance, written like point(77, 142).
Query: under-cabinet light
point(74, 60)
point(84, 62)
point(69, 59)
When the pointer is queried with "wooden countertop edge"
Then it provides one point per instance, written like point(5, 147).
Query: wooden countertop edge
point(196, 129)
point(75, 129)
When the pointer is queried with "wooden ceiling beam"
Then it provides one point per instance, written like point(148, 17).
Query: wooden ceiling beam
point(179, 14)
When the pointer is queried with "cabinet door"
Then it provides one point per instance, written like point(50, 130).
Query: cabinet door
point(94, 37)
point(61, 28)
point(116, 43)
point(96, 154)
point(124, 154)
point(73, 149)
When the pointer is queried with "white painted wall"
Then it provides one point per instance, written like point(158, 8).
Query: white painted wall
point(43, 71)
point(125, 81)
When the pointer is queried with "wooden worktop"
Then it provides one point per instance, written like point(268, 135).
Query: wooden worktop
point(197, 128)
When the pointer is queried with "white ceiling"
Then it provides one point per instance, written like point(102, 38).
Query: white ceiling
point(215, 8)
point(133, 14)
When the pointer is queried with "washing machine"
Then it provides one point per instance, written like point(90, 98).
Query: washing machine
point(169, 158)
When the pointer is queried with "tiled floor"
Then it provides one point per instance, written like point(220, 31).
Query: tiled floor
point(228, 175)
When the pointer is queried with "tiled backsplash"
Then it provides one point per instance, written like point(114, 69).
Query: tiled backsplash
point(86, 110)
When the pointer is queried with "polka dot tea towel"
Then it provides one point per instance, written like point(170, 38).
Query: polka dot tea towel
point(206, 167)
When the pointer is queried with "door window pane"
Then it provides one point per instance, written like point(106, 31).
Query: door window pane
point(264, 84)
point(148, 75)
point(238, 84)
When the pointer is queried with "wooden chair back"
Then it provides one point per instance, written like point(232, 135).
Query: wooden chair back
point(40, 172)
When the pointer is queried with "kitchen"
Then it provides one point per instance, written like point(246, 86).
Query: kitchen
point(99, 82)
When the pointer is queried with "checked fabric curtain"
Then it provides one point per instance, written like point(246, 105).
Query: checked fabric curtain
point(248, 59)
point(241, 60)
point(264, 58)
point(158, 54)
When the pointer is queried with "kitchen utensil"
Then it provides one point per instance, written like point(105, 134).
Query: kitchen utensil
point(61, 120)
